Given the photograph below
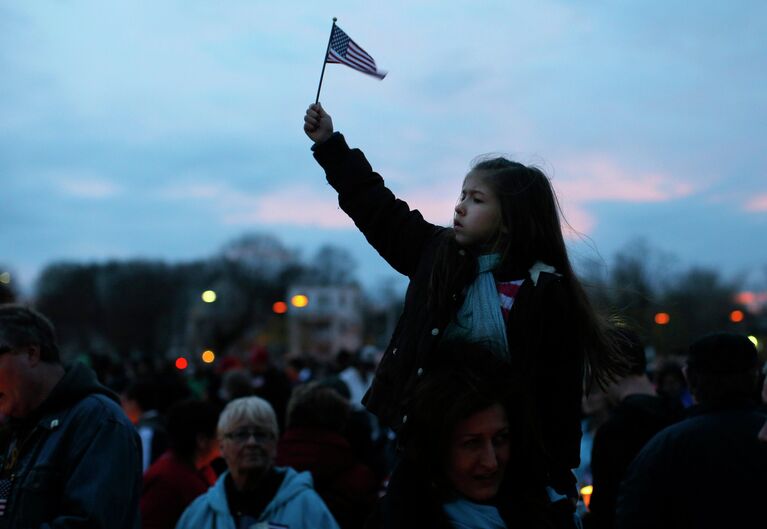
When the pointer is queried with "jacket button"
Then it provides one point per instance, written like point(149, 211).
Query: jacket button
point(420, 372)
point(434, 331)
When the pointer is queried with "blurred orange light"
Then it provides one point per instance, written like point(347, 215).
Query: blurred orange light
point(662, 318)
point(181, 363)
point(736, 316)
point(280, 307)
point(299, 300)
point(586, 494)
point(208, 356)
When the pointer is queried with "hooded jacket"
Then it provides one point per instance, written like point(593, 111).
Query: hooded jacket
point(79, 461)
point(294, 506)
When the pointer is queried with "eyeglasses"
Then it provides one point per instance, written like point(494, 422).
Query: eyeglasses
point(242, 435)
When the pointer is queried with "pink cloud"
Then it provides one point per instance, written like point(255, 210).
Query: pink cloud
point(300, 206)
point(598, 177)
point(757, 203)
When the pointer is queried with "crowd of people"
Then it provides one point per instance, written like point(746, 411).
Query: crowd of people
point(472, 417)
point(77, 453)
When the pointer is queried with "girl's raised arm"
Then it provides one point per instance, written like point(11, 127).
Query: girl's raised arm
point(397, 233)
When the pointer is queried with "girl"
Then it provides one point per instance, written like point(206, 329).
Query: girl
point(500, 277)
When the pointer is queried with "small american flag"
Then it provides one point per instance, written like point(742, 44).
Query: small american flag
point(343, 50)
point(5, 492)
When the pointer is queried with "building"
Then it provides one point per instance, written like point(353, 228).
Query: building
point(322, 320)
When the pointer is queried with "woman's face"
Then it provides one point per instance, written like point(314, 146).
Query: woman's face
point(477, 215)
point(248, 448)
point(479, 453)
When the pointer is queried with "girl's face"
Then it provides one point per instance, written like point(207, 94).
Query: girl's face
point(477, 216)
point(479, 453)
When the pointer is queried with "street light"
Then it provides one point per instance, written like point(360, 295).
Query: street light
point(736, 316)
point(299, 301)
point(181, 363)
point(662, 318)
point(209, 296)
point(280, 307)
point(208, 356)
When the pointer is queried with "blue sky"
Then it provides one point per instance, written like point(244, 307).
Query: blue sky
point(165, 129)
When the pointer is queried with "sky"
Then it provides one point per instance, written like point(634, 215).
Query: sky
point(163, 130)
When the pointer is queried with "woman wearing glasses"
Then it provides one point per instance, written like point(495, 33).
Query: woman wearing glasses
point(253, 492)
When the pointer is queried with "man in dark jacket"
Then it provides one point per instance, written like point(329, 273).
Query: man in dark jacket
point(710, 470)
point(68, 455)
point(637, 415)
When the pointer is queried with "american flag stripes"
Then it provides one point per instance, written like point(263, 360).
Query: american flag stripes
point(343, 50)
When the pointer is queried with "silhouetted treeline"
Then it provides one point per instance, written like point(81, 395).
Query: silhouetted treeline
point(138, 308)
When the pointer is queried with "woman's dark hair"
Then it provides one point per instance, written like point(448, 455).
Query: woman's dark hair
point(467, 379)
point(186, 420)
point(530, 216)
point(314, 405)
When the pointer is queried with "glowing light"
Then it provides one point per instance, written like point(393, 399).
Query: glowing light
point(586, 494)
point(5, 278)
point(181, 363)
point(209, 296)
point(662, 318)
point(280, 307)
point(736, 316)
point(299, 300)
point(745, 298)
point(754, 340)
point(208, 356)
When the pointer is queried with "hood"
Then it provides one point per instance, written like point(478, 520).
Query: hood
point(78, 382)
point(293, 484)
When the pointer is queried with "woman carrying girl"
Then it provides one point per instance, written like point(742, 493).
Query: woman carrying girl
point(499, 277)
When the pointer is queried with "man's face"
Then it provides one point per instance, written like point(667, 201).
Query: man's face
point(16, 381)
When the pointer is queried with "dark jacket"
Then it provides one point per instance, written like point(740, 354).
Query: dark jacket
point(540, 335)
point(635, 420)
point(707, 471)
point(79, 463)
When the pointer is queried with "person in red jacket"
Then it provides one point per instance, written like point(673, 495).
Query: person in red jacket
point(183, 472)
point(314, 441)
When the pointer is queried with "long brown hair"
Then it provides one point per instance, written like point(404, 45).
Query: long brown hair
point(530, 214)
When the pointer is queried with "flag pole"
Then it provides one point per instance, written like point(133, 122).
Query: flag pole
point(325, 60)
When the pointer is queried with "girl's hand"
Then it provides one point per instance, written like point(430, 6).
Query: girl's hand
point(317, 123)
